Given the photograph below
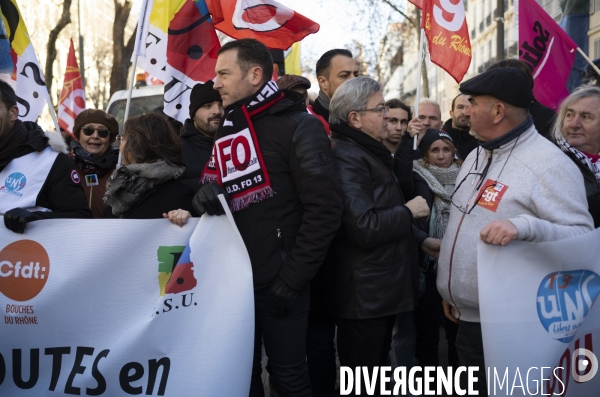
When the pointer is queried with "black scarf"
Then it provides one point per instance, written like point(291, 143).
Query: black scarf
point(21, 140)
point(92, 164)
point(246, 178)
point(369, 143)
point(509, 136)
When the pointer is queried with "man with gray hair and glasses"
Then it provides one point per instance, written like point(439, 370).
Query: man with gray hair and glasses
point(372, 261)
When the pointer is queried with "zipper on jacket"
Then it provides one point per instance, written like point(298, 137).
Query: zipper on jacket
point(281, 244)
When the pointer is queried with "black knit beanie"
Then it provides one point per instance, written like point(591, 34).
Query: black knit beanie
point(203, 93)
point(432, 135)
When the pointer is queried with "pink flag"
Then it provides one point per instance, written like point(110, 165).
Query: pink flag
point(548, 49)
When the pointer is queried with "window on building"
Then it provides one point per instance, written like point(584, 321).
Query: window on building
point(596, 48)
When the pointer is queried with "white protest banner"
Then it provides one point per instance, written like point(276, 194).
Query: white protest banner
point(126, 307)
point(541, 328)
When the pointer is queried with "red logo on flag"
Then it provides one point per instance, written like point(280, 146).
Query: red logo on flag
point(447, 33)
point(72, 97)
point(268, 21)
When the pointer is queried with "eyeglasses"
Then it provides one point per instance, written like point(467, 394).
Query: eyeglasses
point(89, 131)
point(480, 188)
point(384, 109)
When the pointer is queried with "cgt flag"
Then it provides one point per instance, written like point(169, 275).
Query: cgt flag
point(447, 34)
point(548, 50)
point(72, 97)
point(19, 66)
point(268, 21)
point(177, 44)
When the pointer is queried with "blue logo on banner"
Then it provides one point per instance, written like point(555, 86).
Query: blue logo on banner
point(564, 300)
point(15, 182)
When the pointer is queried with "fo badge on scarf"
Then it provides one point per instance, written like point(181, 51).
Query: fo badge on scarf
point(491, 195)
point(237, 159)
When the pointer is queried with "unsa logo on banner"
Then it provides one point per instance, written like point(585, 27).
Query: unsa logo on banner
point(564, 300)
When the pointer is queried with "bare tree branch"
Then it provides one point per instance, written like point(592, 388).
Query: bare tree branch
point(393, 6)
point(64, 20)
point(118, 78)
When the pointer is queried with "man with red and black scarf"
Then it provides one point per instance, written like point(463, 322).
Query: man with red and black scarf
point(273, 162)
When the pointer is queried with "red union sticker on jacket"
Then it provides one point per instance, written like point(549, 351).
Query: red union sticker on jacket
point(492, 195)
point(236, 156)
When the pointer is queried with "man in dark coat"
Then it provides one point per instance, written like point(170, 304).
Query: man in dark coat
point(273, 160)
point(373, 258)
point(36, 182)
point(206, 112)
point(457, 126)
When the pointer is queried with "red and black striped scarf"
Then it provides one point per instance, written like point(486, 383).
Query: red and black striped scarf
point(236, 163)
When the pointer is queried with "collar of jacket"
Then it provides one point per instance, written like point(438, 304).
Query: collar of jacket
point(367, 142)
point(324, 100)
point(509, 136)
point(189, 130)
point(448, 127)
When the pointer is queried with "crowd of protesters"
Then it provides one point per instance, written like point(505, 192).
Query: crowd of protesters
point(360, 243)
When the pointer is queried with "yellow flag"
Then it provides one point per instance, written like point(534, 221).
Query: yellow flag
point(292, 60)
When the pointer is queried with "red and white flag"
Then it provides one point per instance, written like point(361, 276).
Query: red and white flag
point(548, 50)
point(72, 97)
point(270, 22)
point(417, 3)
point(447, 33)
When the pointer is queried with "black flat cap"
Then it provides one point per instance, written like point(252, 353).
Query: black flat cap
point(510, 85)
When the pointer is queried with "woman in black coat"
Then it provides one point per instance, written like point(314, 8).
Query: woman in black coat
point(147, 185)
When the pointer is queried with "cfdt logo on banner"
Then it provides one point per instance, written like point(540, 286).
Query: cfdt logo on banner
point(24, 271)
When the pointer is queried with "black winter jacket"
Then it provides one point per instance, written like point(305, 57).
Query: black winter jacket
point(61, 192)
point(197, 149)
point(373, 260)
point(171, 195)
point(592, 190)
point(289, 234)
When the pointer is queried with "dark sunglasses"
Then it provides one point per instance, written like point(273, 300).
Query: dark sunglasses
point(89, 131)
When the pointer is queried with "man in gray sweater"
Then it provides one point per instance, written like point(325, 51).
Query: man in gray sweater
point(516, 186)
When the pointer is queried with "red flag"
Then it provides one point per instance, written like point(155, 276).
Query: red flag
point(548, 50)
point(268, 21)
point(72, 97)
point(417, 3)
point(448, 36)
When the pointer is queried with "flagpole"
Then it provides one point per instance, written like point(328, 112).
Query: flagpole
point(592, 64)
point(52, 112)
point(419, 69)
point(136, 50)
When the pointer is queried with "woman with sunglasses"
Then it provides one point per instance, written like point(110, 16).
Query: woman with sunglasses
point(96, 159)
point(148, 184)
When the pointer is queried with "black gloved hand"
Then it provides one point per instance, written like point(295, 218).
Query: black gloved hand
point(281, 298)
point(206, 199)
point(17, 218)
